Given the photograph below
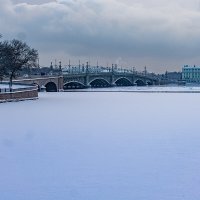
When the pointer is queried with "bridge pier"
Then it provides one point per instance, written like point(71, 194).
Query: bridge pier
point(60, 84)
point(88, 86)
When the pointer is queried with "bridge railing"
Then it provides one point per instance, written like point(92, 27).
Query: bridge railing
point(97, 70)
point(101, 71)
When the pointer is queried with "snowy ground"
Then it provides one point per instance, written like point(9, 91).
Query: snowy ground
point(101, 146)
point(3, 86)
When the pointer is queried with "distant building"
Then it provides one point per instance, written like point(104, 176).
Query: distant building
point(173, 75)
point(191, 74)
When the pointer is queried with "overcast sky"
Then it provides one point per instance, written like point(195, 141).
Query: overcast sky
point(161, 34)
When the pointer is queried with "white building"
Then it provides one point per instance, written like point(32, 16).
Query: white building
point(191, 73)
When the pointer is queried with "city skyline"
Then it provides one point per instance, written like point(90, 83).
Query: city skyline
point(162, 35)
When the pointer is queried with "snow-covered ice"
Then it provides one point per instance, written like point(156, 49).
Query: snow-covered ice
point(14, 86)
point(101, 146)
point(167, 88)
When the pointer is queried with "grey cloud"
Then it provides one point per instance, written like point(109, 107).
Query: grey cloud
point(162, 30)
point(32, 1)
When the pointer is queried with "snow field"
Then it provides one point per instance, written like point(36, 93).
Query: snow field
point(102, 146)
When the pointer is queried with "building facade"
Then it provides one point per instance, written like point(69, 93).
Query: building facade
point(191, 74)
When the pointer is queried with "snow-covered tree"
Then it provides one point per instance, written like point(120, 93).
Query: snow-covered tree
point(14, 55)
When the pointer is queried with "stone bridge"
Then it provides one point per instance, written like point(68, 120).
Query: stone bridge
point(51, 83)
point(108, 79)
point(87, 80)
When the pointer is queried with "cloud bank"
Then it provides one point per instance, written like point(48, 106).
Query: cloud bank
point(156, 33)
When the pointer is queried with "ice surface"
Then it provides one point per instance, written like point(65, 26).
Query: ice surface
point(173, 88)
point(101, 146)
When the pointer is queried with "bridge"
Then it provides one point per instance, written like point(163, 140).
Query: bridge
point(106, 77)
point(50, 83)
point(86, 77)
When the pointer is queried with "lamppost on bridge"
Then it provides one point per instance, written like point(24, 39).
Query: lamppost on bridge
point(145, 71)
point(97, 69)
point(69, 66)
point(112, 68)
point(55, 63)
point(79, 66)
point(87, 65)
point(83, 68)
point(60, 68)
point(51, 66)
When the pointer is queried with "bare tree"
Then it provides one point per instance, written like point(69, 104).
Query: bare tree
point(15, 55)
point(1, 67)
point(1, 74)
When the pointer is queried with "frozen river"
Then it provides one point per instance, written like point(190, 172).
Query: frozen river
point(147, 89)
point(101, 146)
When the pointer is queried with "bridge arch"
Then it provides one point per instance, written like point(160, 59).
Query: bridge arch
point(73, 85)
point(123, 81)
point(99, 83)
point(51, 87)
point(140, 82)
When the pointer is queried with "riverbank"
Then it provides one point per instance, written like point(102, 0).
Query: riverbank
point(18, 93)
